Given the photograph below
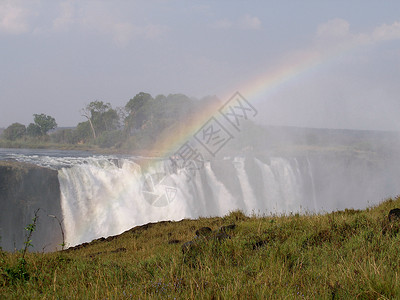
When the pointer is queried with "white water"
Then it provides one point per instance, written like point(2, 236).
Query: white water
point(106, 195)
point(282, 186)
point(100, 198)
point(248, 198)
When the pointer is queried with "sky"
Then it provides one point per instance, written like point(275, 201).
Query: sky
point(324, 64)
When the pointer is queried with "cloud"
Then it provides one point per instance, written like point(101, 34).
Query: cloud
point(13, 17)
point(337, 31)
point(249, 22)
point(334, 28)
point(102, 19)
point(123, 33)
point(66, 18)
point(223, 24)
point(245, 22)
point(97, 17)
point(386, 32)
point(153, 31)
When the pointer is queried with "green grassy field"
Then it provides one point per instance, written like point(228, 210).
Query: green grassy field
point(347, 254)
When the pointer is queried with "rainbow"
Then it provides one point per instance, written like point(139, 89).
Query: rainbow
point(254, 91)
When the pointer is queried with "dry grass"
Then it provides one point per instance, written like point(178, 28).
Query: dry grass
point(346, 254)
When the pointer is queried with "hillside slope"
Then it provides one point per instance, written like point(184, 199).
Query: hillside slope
point(346, 254)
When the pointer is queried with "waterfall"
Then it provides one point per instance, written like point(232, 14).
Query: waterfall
point(250, 203)
point(282, 185)
point(106, 195)
point(314, 195)
point(103, 197)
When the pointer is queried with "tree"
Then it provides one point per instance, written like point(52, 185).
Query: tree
point(110, 120)
point(137, 102)
point(160, 98)
point(45, 123)
point(86, 113)
point(65, 136)
point(14, 131)
point(101, 117)
point(139, 111)
point(83, 132)
point(33, 130)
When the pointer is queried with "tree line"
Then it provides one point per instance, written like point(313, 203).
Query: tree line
point(41, 126)
point(136, 125)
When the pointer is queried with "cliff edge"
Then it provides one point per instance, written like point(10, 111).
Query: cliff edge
point(24, 188)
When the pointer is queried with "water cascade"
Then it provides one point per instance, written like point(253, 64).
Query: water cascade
point(106, 195)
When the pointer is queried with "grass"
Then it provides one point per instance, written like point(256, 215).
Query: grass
point(38, 144)
point(347, 254)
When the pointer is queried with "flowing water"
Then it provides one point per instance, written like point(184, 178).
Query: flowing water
point(106, 195)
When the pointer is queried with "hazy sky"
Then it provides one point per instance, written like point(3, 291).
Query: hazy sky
point(57, 56)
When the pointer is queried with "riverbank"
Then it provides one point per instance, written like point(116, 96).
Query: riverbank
point(77, 147)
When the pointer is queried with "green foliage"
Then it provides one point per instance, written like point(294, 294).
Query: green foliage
point(137, 102)
point(111, 138)
point(33, 130)
point(45, 123)
point(138, 125)
point(101, 117)
point(17, 272)
point(30, 228)
point(138, 109)
point(148, 116)
point(65, 136)
point(14, 131)
point(83, 132)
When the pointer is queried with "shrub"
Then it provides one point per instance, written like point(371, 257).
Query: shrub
point(14, 131)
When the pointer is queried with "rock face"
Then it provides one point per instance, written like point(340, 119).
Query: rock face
point(24, 188)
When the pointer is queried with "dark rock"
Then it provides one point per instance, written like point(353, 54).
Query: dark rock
point(394, 214)
point(115, 161)
point(203, 231)
point(110, 238)
point(171, 242)
point(220, 236)
point(77, 247)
